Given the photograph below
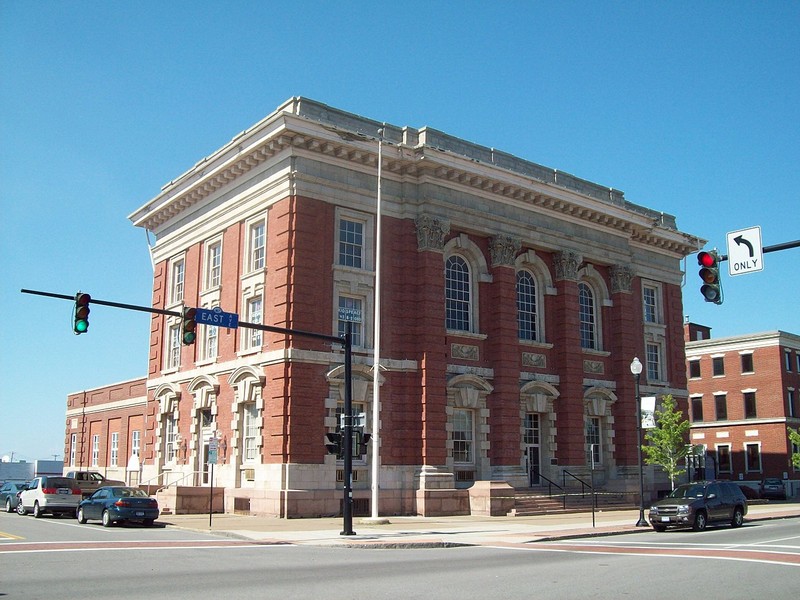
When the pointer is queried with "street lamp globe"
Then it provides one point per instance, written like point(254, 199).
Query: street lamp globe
point(636, 367)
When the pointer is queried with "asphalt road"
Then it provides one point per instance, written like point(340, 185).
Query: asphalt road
point(57, 558)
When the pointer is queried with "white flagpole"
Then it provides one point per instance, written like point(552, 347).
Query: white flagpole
point(376, 374)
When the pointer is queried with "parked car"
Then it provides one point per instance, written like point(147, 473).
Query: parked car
point(48, 494)
point(9, 494)
point(697, 504)
point(772, 487)
point(116, 504)
point(90, 481)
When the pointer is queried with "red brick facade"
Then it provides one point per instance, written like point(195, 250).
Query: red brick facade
point(458, 405)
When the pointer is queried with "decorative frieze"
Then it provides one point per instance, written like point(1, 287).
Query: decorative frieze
point(503, 250)
point(567, 264)
point(594, 367)
point(463, 351)
point(621, 278)
point(533, 359)
point(431, 232)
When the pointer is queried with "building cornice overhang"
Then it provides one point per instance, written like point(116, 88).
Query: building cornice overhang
point(305, 127)
point(742, 343)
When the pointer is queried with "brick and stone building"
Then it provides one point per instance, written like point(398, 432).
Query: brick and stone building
point(744, 391)
point(514, 298)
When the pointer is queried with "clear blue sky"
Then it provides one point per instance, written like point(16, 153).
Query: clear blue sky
point(688, 107)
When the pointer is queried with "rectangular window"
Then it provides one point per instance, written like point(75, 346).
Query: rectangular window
point(718, 366)
point(170, 439)
point(593, 440)
point(174, 347)
point(250, 431)
point(258, 246)
point(463, 436)
point(788, 360)
point(176, 293)
point(650, 298)
point(749, 405)
point(255, 314)
point(747, 363)
point(721, 406)
point(797, 356)
point(350, 305)
point(531, 435)
point(697, 409)
point(793, 410)
point(351, 243)
point(135, 442)
point(752, 456)
point(653, 362)
point(724, 459)
point(694, 369)
point(210, 342)
point(95, 450)
point(213, 265)
point(114, 460)
point(73, 442)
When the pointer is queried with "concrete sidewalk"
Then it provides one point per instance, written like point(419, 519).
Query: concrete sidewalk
point(436, 531)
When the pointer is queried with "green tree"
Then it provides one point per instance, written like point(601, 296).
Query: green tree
point(666, 444)
point(794, 437)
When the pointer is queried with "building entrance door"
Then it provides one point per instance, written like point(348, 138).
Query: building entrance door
point(533, 455)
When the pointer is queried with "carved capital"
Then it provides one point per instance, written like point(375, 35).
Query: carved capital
point(621, 277)
point(431, 232)
point(503, 250)
point(566, 264)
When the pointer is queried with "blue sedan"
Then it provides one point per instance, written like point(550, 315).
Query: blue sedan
point(115, 504)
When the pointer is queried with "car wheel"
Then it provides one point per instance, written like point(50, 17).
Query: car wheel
point(107, 522)
point(700, 521)
point(37, 512)
point(81, 516)
point(8, 505)
point(738, 517)
point(21, 509)
point(660, 528)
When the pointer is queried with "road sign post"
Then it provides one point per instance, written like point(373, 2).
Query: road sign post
point(745, 253)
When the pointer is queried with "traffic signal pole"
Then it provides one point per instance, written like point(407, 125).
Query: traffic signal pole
point(773, 248)
point(345, 340)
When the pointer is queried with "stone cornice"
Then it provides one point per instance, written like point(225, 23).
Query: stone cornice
point(302, 128)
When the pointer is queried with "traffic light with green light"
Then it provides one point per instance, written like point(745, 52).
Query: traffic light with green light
point(188, 326)
point(80, 314)
point(709, 273)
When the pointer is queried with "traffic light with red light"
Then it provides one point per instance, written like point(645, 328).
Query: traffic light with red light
point(80, 314)
point(709, 273)
point(188, 326)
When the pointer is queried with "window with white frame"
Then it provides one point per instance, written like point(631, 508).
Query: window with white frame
point(351, 243)
point(255, 313)
point(96, 450)
point(173, 349)
point(170, 438)
point(651, 296)
point(257, 246)
point(749, 398)
point(136, 439)
point(250, 432)
point(747, 362)
point(177, 281)
point(349, 305)
point(593, 440)
point(792, 405)
point(654, 367)
point(458, 294)
point(721, 406)
point(694, 369)
point(724, 458)
point(114, 459)
point(588, 317)
point(752, 457)
point(210, 342)
point(463, 436)
point(527, 306)
point(73, 443)
point(788, 359)
point(213, 264)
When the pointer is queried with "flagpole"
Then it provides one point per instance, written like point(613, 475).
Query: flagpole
point(376, 374)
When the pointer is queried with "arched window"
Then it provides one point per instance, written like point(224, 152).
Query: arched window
point(458, 296)
point(527, 307)
point(588, 317)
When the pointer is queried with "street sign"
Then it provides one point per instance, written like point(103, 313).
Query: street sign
point(350, 314)
point(217, 317)
point(745, 254)
point(213, 451)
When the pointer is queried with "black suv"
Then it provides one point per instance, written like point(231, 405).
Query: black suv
point(697, 504)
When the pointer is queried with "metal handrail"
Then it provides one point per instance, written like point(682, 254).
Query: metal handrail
point(584, 485)
point(171, 483)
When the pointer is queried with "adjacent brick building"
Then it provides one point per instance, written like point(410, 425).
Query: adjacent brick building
point(744, 391)
point(514, 298)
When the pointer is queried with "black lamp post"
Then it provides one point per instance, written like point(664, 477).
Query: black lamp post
point(636, 369)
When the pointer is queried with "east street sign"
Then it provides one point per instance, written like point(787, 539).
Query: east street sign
point(745, 254)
